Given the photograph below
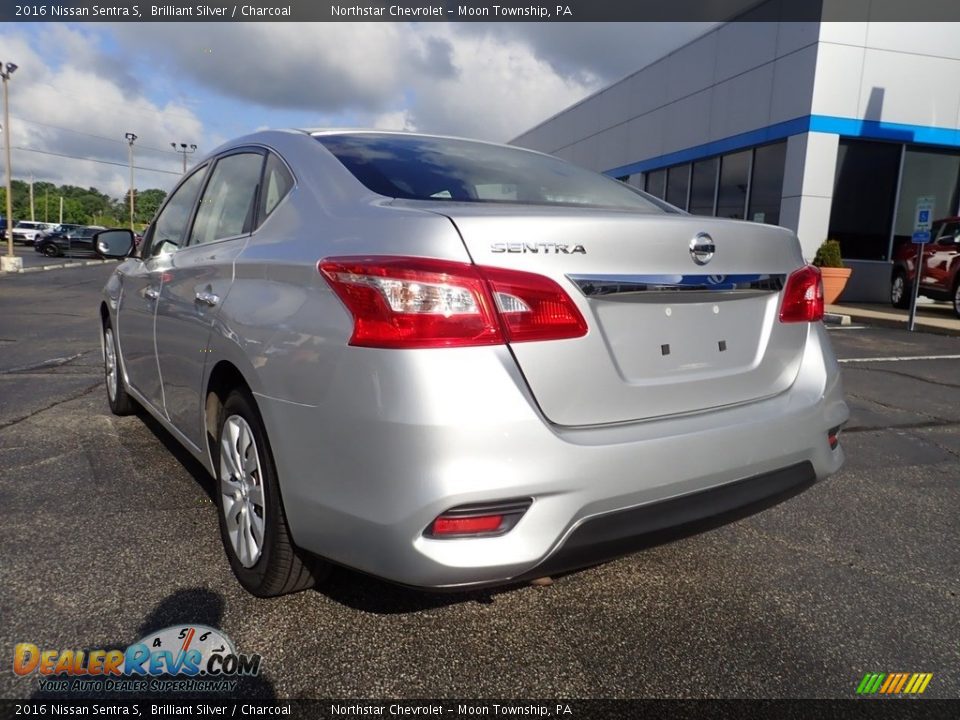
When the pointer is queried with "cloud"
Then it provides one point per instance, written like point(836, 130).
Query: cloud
point(206, 83)
point(82, 107)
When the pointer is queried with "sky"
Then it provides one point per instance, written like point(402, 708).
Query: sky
point(80, 87)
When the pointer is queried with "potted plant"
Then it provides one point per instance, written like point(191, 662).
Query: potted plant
point(835, 275)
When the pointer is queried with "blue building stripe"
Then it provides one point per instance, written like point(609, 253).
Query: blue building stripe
point(847, 127)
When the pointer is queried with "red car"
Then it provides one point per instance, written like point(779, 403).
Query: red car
point(940, 277)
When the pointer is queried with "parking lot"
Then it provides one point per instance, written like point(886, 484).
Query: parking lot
point(110, 532)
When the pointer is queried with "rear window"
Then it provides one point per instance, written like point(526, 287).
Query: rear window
point(429, 168)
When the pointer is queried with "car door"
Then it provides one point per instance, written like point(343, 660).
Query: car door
point(198, 279)
point(136, 312)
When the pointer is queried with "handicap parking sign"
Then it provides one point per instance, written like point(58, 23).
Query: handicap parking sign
point(924, 216)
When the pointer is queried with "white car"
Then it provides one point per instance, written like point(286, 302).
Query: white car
point(26, 231)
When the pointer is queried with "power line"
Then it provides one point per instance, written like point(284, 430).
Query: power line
point(80, 132)
point(95, 160)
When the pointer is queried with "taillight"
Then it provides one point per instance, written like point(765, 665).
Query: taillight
point(405, 302)
point(803, 296)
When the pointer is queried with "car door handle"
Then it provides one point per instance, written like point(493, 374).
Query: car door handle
point(152, 293)
point(207, 298)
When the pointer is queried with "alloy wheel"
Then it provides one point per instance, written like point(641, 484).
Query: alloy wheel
point(243, 500)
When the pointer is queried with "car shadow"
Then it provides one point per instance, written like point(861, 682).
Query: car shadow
point(193, 466)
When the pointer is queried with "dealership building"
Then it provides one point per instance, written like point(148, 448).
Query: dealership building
point(835, 130)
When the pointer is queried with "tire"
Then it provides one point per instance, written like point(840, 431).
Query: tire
point(50, 250)
point(956, 296)
point(251, 506)
point(120, 402)
point(900, 290)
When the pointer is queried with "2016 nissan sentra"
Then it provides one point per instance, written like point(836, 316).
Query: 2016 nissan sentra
point(452, 363)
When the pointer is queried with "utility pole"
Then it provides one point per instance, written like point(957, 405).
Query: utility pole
point(130, 139)
point(11, 262)
point(184, 150)
point(61, 210)
point(46, 204)
point(32, 218)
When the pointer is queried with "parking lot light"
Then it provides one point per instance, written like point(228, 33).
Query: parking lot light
point(184, 149)
point(7, 70)
point(130, 140)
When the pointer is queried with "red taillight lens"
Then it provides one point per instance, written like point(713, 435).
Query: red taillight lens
point(803, 296)
point(404, 302)
point(466, 525)
point(413, 302)
point(533, 307)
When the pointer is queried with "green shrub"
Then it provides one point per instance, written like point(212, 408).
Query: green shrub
point(828, 255)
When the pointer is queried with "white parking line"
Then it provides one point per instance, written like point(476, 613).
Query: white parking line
point(904, 358)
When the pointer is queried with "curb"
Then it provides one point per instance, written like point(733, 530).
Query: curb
point(836, 319)
point(898, 324)
point(59, 266)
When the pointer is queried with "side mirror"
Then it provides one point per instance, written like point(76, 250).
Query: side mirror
point(113, 243)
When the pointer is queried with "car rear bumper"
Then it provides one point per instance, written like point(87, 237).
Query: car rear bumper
point(400, 439)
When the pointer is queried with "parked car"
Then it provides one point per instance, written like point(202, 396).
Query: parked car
point(451, 363)
point(940, 276)
point(59, 229)
point(26, 231)
point(78, 240)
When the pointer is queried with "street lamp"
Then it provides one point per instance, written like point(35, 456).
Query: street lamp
point(10, 262)
point(184, 150)
point(130, 138)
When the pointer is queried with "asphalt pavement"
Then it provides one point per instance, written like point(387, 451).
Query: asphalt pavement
point(110, 532)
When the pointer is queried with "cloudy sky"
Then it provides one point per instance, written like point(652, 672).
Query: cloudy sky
point(80, 87)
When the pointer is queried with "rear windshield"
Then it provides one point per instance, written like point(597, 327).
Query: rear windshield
point(429, 168)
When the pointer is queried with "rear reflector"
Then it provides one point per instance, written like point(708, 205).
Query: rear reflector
point(478, 520)
point(467, 525)
point(833, 437)
point(803, 296)
point(406, 302)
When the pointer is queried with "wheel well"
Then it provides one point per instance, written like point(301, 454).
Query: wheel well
point(223, 378)
point(104, 314)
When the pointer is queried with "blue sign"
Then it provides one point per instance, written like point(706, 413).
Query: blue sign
point(923, 216)
point(921, 236)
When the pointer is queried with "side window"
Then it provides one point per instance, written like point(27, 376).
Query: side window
point(948, 233)
point(277, 182)
point(228, 203)
point(167, 232)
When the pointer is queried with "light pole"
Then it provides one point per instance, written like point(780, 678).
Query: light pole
point(10, 261)
point(130, 139)
point(184, 150)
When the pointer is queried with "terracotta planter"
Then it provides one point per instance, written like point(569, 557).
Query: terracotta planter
point(834, 281)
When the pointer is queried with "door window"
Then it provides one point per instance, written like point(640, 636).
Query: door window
point(228, 206)
point(166, 234)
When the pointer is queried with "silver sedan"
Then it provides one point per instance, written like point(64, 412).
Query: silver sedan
point(450, 363)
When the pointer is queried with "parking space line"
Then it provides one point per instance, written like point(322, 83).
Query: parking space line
point(905, 358)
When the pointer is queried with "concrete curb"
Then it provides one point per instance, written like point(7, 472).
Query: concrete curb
point(836, 319)
point(58, 266)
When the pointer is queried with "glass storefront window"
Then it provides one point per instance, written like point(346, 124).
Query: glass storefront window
point(734, 177)
point(678, 182)
point(864, 190)
point(927, 173)
point(766, 183)
point(703, 186)
point(657, 183)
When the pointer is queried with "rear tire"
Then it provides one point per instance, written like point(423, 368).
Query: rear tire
point(120, 402)
point(50, 250)
point(899, 290)
point(253, 524)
